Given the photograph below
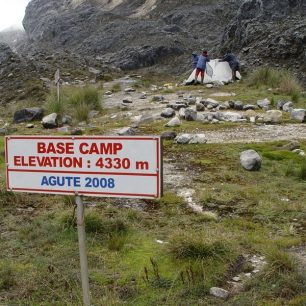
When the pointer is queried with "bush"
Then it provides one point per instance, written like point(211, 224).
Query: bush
point(116, 87)
point(287, 83)
point(53, 105)
point(184, 246)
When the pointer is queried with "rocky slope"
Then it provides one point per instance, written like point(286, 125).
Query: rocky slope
point(269, 31)
point(129, 34)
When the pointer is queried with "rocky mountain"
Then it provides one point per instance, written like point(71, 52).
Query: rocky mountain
point(272, 31)
point(128, 34)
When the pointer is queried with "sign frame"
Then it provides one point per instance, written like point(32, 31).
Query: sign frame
point(158, 173)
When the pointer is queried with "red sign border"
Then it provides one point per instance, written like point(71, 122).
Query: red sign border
point(158, 175)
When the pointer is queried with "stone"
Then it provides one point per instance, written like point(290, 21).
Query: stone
point(200, 107)
point(287, 107)
point(190, 114)
point(141, 119)
point(238, 105)
point(209, 85)
point(264, 104)
point(183, 138)
point(30, 126)
point(168, 135)
point(127, 131)
point(67, 119)
point(211, 102)
point(219, 292)
point(168, 113)
point(229, 117)
point(28, 114)
point(127, 101)
point(174, 122)
point(51, 121)
point(181, 113)
point(273, 116)
point(129, 89)
point(198, 139)
point(191, 100)
point(292, 145)
point(250, 160)
point(178, 105)
point(249, 107)
point(280, 104)
point(191, 139)
point(298, 114)
point(218, 83)
point(64, 129)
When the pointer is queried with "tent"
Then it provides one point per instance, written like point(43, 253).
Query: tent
point(221, 71)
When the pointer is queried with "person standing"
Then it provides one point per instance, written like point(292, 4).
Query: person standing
point(233, 63)
point(195, 59)
point(201, 66)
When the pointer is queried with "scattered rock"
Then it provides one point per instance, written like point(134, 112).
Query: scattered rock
point(292, 145)
point(200, 107)
point(66, 119)
point(211, 102)
point(168, 113)
point(28, 114)
point(287, 107)
point(250, 160)
point(174, 122)
point(264, 104)
point(127, 101)
point(51, 121)
point(219, 292)
point(130, 89)
point(127, 131)
point(168, 135)
point(298, 114)
point(273, 116)
point(249, 107)
point(30, 126)
point(229, 116)
point(280, 104)
point(190, 114)
point(181, 113)
point(191, 139)
point(64, 129)
point(238, 105)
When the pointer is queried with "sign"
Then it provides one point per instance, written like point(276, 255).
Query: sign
point(91, 166)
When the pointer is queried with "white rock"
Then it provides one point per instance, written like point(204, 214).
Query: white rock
point(219, 292)
point(174, 122)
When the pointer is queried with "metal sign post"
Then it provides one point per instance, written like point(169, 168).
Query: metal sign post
point(82, 250)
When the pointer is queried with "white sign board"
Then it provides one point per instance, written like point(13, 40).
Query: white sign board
point(128, 167)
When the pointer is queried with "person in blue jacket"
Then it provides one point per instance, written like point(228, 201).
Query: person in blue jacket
point(195, 59)
point(233, 63)
point(201, 66)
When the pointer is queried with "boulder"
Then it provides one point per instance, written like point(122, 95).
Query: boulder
point(249, 107)
point(127, 131)
point(287, 107)
point(200, 107)
point(250, 160)
point(238, 105)
point(168, 113)
point(190, 114)
point(264, 104)
point(141, 119)
point(174, 122)
point(191, 139)
point(229, 116)
point(280, 104)
point(181, 113)
point(51, 121)
point(298, 114)
point(28, 114)
point(168, 135)
point(273, 116)
point(219, 292)
point(211, 103)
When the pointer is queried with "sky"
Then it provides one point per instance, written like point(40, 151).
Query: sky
point(12, 12)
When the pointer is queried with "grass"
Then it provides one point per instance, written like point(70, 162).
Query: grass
point(77, 101)
point(160, 252)
point(116, 88)
point(284, 80)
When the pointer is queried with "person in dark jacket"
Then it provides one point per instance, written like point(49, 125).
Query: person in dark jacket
point(201, 66)
point(233, 63)
point(195, 59)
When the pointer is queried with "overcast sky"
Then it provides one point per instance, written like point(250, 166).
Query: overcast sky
point(12, 12)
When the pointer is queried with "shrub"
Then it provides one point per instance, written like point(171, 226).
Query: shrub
point(287, 83)
point(81, 112)
point(184, 246)
point(53, 105)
